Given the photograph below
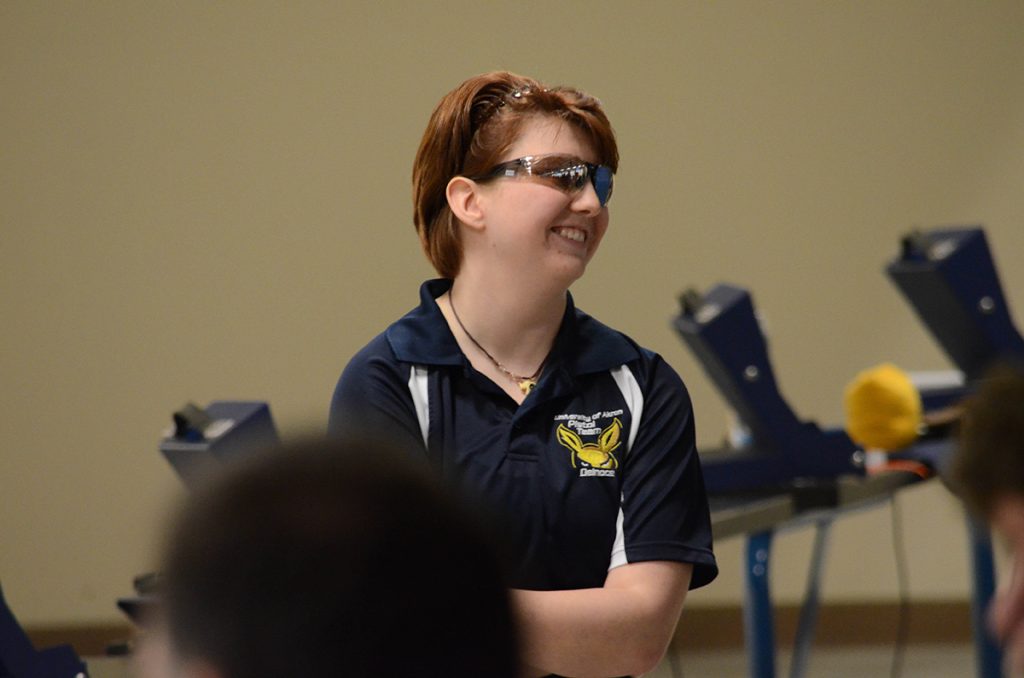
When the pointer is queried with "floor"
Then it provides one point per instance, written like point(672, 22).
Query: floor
point(919, 661)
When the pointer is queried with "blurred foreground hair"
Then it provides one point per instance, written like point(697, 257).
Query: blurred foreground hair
point(989, 461)
point(334, 559)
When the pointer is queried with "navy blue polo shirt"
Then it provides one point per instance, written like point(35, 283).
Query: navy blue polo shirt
point(596, 468)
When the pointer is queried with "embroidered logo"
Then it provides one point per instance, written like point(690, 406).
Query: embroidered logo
point(593, 459)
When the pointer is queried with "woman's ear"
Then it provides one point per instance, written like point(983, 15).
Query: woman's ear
point(464, 200)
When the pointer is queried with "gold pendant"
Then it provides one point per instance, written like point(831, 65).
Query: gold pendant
point(526, 385)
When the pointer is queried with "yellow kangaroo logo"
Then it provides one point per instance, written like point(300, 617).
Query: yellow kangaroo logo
point(597, 455)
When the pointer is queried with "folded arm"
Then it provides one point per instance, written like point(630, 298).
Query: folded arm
point(621, 629)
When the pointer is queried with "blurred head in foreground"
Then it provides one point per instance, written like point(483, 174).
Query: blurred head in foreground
point(988, 472)
point(331, 559)
point(988, 466)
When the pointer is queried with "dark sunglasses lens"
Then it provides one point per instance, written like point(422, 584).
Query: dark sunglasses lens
point(602, 178)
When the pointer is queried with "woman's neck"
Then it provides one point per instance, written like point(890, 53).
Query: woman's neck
point(515, 322)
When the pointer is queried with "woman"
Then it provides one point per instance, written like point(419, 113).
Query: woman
point(581, 441)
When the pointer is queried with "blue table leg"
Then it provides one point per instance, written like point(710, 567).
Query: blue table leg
point(758, 616)
point(987, 654)
point(812, 596)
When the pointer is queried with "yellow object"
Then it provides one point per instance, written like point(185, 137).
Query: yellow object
point(597, 455)
point(883, 408)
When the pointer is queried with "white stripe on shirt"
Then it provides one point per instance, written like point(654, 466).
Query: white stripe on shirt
point(420, 399)
point(634, 398)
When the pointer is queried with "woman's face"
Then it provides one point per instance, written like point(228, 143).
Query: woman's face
point(534, 226)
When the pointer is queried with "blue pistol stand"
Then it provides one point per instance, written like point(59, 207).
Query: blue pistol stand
point(723, 332)
point(19, 659)
point(784, 455)
point(226, 429)
point(949, 278)
point(200, 441)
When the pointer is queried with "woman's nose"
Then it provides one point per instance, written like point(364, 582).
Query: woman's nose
point(585, 200)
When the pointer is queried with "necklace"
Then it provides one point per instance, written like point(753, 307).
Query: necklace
point(525, 384)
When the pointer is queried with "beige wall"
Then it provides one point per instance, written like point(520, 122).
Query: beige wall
point(211, 201)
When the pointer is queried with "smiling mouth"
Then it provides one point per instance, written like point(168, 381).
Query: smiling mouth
point(570, 233)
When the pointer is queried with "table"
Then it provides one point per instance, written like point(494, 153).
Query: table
point(758, 517)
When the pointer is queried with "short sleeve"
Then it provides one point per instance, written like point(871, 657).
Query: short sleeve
point(372, 400)
point(665, 513)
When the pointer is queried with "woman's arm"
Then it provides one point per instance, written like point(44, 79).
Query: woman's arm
point(625, 627)
point(621, 629)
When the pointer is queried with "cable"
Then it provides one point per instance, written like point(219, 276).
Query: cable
point(903, 615)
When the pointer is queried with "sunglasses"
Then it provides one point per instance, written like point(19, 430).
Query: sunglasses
point(565, 172)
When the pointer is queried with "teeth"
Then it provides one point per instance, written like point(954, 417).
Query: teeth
point(572, 234)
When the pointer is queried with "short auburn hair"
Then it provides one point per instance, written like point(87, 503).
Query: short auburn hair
point(471, 128)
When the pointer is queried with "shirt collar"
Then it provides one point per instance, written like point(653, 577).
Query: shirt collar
point(583, 345)
point(422, 335)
